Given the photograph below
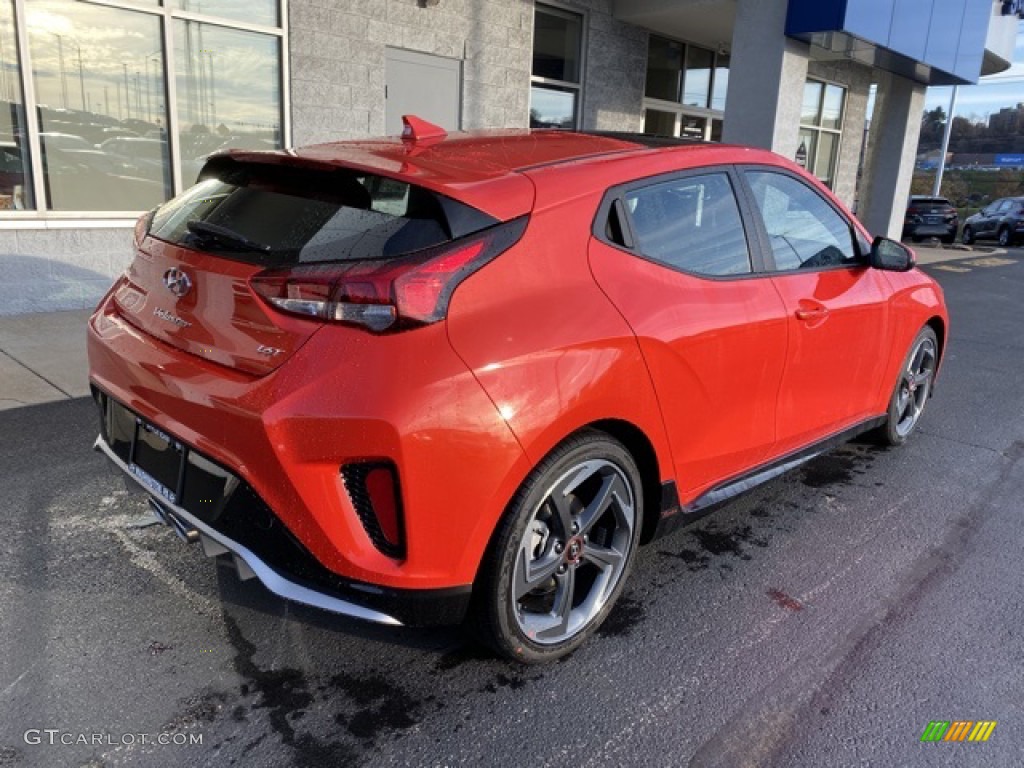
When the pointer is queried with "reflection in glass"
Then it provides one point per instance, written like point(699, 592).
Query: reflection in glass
point(809, 143)
point(664, 68)
point(832, 107)
point(811, 109)
point(556, 44)
point(697, 82)
point(721, 86)
point(716, 130)
point(552, 107)
point(229, 92)
point(692, 127)
point(658, 123)
point(15, 174)
point(825, 157)
point(250, 11)
point(100, 88)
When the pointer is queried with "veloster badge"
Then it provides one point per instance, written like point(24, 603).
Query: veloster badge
point(163, 314)
point(177, 281)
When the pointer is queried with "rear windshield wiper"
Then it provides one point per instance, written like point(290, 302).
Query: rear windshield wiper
point(225, 236)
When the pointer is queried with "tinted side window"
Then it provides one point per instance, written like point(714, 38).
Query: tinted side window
point(692, 224)
point(805, 231)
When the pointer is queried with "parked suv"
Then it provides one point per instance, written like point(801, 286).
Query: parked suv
point(930, 217)
point(410, 378)
point(1002, 221)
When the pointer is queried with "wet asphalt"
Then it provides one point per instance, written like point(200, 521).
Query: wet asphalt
point(822, 620)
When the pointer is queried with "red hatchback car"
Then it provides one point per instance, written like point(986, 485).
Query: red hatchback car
point(410, 378)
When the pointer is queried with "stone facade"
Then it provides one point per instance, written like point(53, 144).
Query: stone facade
point(60, 268)
point(337, 60)
point(616, 67)
point(338, 50)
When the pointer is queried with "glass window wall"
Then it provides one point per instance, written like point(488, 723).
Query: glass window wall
point(685, 90)
point(106, 109)
point(555, 82)
point(15, 169)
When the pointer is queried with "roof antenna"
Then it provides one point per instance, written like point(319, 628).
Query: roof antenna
point(417, 129)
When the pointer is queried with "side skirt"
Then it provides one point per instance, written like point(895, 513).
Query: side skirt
point(674, 516)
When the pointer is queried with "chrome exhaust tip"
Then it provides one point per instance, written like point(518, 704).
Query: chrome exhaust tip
point(183, 530)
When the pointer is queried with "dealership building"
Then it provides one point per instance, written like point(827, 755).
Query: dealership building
point(109, 107)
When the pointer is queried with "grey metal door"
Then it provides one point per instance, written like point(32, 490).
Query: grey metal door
point(419, 84)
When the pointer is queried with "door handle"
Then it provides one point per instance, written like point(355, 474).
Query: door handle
point(811, 313)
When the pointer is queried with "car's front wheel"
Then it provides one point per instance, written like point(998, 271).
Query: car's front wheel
point(561, 554)
point(913, 388)
point(967, 236)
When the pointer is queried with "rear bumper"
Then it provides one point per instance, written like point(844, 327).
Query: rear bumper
point(320, 588)
point(930, 230)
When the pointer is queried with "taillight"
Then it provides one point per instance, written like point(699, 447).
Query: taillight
point(385, 294)
point(376, 497)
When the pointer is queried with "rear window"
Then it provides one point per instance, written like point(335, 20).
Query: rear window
point(275, 215)
point(930, 203)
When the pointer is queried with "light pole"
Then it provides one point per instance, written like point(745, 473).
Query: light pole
point(63, 74)
point(156, 58)
point(127, 93)
point(81, 76)
point(213, 94)
point(945, 143)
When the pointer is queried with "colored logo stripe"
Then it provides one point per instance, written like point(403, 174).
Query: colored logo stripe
point(958, 730)
point(982, 730)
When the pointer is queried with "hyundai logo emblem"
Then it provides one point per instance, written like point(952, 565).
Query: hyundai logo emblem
point(177, 281)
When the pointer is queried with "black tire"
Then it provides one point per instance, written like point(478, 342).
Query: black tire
point(1005, 238)
point(531, 537)
point(967, 236)
point(904, 414)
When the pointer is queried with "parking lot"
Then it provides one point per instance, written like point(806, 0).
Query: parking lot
point(823, 620)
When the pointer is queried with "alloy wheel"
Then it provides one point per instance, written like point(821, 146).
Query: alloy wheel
point(915, 385)
point(573, 552)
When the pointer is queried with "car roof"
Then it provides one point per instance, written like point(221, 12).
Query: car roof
point(485, 169)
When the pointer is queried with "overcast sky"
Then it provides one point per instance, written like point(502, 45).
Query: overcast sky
point(990, 95)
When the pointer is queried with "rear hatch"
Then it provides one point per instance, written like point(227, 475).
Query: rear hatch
point(215, 266)
point(931, 209)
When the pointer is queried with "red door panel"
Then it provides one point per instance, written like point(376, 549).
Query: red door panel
point(838, 350)
point(715, 350)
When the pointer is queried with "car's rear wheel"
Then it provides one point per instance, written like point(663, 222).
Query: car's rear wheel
point(560, 557)
point(967, 236)
point(913, 388)
point(1005, 239)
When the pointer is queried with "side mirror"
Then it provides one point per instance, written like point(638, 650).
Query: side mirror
point(891, 256)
